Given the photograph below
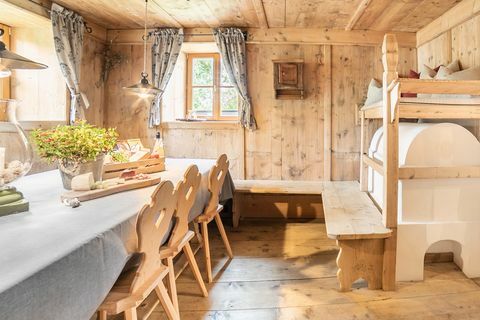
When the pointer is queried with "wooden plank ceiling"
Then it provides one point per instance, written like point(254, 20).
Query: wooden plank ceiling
point(379, 15)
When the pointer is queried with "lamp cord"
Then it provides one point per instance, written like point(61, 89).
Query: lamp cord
point(145, 41)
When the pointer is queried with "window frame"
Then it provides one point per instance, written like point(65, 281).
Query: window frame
point(217, 86)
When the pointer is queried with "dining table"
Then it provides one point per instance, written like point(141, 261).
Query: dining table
point(59, 262)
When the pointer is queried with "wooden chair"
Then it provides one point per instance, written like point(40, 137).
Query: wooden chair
point(213, 209)
point(181, 235)
point(138, 281)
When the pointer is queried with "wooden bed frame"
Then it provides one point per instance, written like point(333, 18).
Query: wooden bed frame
point(391, 110)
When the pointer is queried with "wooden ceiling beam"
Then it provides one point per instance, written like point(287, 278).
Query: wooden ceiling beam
point(134, 36)
point(392, 15)
point(42, 11)
point(165, 15)
point(371, 13)
point(261, 15)
point(358, 14)
point(326, 36)
point(281, 36)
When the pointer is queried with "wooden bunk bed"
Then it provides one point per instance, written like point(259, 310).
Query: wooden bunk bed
point(372, 254)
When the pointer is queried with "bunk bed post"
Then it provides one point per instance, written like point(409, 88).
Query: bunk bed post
point(390, 164)
point(363, 152)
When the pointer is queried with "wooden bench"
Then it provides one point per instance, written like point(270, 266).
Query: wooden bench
point(280, 198)
point(355, 222)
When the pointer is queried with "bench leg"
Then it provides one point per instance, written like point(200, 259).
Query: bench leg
point(360, 259)
point(235, 211)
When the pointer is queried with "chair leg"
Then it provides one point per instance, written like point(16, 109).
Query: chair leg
point(170, 310)
point(206, 251)
point(172, 286)
point(102, 315)
point(196, 228)
point(218, 220)
point(193, 265)
point(131, 314)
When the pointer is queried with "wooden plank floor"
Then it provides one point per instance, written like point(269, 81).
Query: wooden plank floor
point(287, 271)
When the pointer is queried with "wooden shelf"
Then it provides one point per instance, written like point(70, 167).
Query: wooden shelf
point(288, 79)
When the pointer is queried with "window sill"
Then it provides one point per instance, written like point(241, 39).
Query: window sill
point(208, 124)
point(33, 125)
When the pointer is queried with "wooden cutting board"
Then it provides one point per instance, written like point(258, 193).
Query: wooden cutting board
point(99, 193)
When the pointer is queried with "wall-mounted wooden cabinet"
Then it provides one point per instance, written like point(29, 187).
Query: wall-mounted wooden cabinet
point(288, 79)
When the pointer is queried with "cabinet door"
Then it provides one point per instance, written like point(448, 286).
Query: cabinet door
point(288, 74)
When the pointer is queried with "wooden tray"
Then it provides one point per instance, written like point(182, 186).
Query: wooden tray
point(114, 170)
point(99, 193)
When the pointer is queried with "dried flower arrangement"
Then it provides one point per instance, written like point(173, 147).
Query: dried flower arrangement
point(110, 60)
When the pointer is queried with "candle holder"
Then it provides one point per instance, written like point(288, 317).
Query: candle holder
point(16, 156)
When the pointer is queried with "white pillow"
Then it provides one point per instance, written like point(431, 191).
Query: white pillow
point(445, 71)
point(427, 73)
point(454, 66)
point(442, 74)
point(467, 74)
point(375, 92)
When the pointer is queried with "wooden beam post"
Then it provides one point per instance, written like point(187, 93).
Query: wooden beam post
point(357, 14)
point(327, 111)
point(363, 152)
point(390, 164)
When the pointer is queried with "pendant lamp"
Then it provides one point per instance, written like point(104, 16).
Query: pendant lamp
point(10, 60)
point(144, 87)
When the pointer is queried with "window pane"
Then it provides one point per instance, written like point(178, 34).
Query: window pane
point(228, 102)
point(224, 79)
point(202, 101)
point(202, 71)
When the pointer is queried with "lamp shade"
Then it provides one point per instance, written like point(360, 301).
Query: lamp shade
point(4, 72)
point(143, 87)
point(10, 60)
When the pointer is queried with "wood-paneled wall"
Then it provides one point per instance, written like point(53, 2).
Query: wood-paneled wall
point(91, 69)
point(461, 42)
point(128, 113)
point(187, 140)
point(289, 144)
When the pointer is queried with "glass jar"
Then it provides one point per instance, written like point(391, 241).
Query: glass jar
point(16, 153)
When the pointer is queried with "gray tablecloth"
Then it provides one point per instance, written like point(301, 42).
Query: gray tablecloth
point(59, 263)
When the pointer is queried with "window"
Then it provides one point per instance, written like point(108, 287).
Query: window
point(210, 94)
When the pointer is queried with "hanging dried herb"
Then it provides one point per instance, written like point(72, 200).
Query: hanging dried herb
point(111, 59)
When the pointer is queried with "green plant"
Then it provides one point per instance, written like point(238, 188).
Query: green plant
point(78, 143)
point(119, 156)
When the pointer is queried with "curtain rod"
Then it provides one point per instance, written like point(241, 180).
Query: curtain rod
point(87, 27)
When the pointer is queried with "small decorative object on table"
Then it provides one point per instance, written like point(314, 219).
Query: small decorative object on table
point(132, 155)
point(15, 159)
point(77, 149)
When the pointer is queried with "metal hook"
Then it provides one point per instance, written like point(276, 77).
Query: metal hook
point(87, 28)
